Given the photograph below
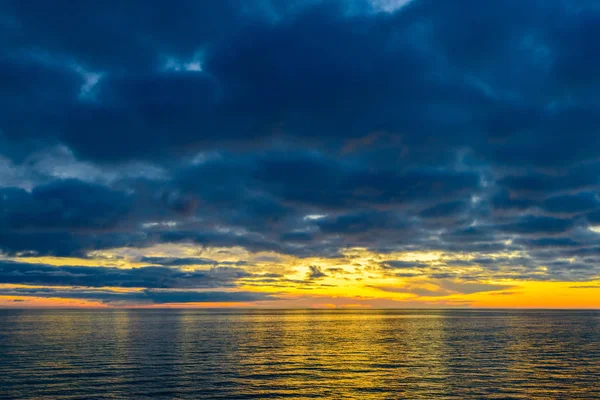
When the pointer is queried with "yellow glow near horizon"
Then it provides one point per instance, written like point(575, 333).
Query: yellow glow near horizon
point(358, 278)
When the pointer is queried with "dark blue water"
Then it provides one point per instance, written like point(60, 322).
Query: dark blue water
point(299, 354)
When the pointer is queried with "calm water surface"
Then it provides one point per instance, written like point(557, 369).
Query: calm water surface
point(299, 354)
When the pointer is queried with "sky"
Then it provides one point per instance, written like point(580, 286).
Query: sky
point(300, 153)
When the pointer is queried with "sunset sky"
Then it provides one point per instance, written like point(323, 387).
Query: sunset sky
point(306, 153)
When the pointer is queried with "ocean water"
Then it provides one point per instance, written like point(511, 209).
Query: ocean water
point(241, 354)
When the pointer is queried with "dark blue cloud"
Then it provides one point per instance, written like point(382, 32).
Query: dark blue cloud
point(539, 184)
point(534, 225)
point(175, 262)
point(300, 127)
point(299, 77)
point(141, 297)
point(358, 223)
point(189, 261)
point(444, 210)
point(503, 201)
point(498, 78)
point(144, 277)
point(124, 37)
point(396, 264)
point(334, 184)
point(63, 205)
point(315, 272)
point(66, 217)
point(64, 243)
point(575, 204)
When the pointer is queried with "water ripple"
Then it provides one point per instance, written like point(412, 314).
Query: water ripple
point(257, 354)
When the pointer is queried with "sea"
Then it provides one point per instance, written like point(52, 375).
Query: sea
point(299, 354)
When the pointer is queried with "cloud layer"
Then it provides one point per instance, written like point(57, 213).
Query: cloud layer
point(300, 128)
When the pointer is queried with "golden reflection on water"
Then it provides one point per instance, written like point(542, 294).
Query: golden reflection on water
point(300, 354)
